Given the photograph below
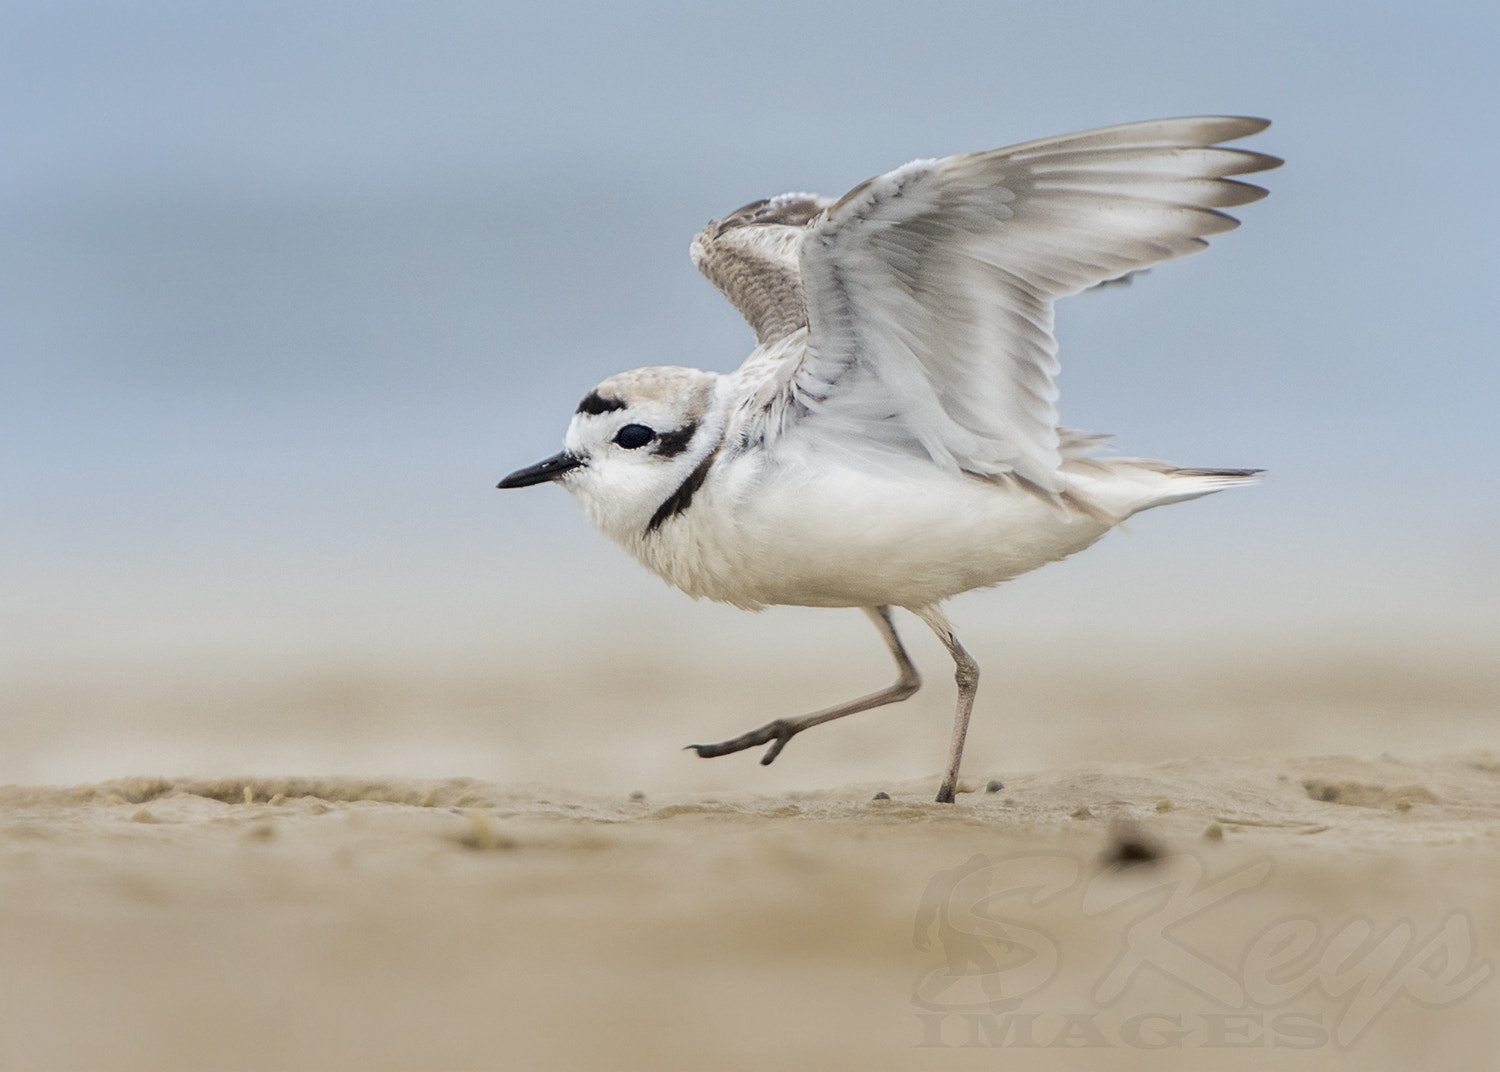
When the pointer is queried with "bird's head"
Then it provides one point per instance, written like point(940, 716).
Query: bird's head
point(635, 441)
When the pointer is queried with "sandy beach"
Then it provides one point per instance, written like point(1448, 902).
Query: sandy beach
point(1332, 912)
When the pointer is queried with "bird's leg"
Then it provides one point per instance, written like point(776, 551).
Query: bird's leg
point(967, 676)
point(784, 729)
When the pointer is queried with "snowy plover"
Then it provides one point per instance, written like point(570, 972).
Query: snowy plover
point(892, 440)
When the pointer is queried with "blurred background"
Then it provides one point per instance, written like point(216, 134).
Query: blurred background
point(285, 289)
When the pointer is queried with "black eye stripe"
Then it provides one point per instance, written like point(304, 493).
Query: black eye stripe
point(633, 436)
point(671, 444)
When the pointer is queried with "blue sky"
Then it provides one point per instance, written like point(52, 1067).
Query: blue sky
point(284, 288)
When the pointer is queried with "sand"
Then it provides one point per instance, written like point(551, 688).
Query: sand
point(1329, 912)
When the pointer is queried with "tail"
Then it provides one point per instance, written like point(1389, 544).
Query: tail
point(1120, 487)
point(1184, 484)
point(1210, 480)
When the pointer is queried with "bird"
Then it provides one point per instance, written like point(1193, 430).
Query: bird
point(893, 439)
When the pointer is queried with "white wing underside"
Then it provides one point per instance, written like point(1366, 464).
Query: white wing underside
point(928, 292)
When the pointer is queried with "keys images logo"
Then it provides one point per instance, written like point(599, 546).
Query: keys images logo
point(1044, 951)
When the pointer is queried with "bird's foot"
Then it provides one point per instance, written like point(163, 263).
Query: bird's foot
point(781, 731)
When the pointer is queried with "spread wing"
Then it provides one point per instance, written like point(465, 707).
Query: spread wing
point(751, 255)
point(929, 290)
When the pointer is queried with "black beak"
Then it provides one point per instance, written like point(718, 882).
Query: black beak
point(541, 472)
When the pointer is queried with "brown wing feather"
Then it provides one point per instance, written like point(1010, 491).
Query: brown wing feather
point(751, 256)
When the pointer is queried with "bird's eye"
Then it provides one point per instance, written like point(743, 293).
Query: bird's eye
point(634, 435)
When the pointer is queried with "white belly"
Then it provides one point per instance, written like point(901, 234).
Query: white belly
point(844, 536)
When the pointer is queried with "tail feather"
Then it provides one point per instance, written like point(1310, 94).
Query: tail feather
point(1190, 483)
point(1234, 476)
point(1120, 487)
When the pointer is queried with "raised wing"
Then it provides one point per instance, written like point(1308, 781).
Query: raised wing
point(929, 290)
point(751, 255)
